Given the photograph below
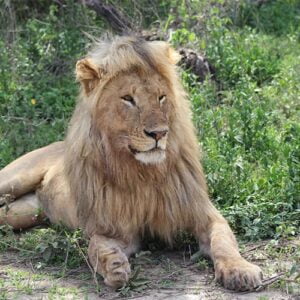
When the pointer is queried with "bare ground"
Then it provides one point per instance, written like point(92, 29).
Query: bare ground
point(157, 275)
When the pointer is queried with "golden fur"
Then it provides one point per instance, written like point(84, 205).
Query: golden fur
point(130, 164)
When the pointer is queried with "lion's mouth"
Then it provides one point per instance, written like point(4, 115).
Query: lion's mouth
point(135, 151)
point(154, 155)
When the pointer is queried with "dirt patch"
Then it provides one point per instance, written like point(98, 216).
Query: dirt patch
point(157, 275)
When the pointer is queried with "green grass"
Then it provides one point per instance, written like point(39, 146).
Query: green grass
point(19, 282)
point(55, 246)
point(247, 121)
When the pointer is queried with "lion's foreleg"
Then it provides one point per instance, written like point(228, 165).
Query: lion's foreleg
point(109, 257)
point(233, 271)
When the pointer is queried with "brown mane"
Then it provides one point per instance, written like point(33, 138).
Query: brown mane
point(128, 184)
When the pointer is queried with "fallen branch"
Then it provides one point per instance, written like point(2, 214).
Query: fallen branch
point(254, 248)
point(269, 281)
point(111, 14)
point(266, 283)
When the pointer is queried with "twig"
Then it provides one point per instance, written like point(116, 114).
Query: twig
point(3, 274)
point(31, 122)
point(11, 290)
point(114, 17)
point(90, 267)
point(265, 283)
point(269, 281)
point(16, 248)
point(253, 248)
point(168, 275)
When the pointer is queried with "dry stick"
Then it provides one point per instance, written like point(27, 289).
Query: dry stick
point(12, 290)
point(31, 267)
point(90, 267)
point(3, 275)
point(265, 283)
point(15, 248)
point(291, 280)
point(66, 261)
point(269, 281)
point(168, 276)
point(113, 16)
point(254, 248)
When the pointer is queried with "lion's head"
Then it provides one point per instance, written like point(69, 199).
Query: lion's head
point(134, 114)
point(132, 98)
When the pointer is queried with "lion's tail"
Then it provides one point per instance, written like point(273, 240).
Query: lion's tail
point(26, 173)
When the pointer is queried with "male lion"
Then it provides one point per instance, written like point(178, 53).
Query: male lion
point(129, 165)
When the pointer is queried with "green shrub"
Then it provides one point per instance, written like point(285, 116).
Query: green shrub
point(251, 157)
point(55, 246)
point(37, 86)
point(278, 17)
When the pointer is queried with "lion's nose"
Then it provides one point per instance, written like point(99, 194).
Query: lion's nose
point(156, 134)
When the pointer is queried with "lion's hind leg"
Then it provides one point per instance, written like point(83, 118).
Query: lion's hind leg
point(25, 212)
point(25, 174)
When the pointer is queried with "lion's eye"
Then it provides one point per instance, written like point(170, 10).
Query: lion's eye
point(127, 99)
point(162, 99)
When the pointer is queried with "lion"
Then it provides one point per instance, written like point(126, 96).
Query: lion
point(129, 166)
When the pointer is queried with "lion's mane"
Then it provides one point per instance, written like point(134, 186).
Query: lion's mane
point(125, 198)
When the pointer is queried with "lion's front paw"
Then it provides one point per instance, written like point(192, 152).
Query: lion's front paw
point(116, 270)
point(238, 274)
point(112, 264)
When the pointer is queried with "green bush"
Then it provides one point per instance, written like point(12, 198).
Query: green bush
point(251, 158)
point(248, 125)
point(37, 86)
point(278, 17)
point(55, 246)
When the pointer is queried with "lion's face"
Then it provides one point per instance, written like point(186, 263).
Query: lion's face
point(134, 113)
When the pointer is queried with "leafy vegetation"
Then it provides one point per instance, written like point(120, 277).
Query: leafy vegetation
point(37, 86)
point(247, 119)
point(55, 246)
point(249, 124)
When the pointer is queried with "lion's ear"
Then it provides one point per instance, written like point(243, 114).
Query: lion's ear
point(88, 74)
point(172, 55)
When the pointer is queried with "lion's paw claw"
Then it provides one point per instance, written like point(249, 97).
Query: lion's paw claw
point(238, 275)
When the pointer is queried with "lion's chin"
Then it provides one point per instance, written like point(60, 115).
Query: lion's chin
point(151, 157)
